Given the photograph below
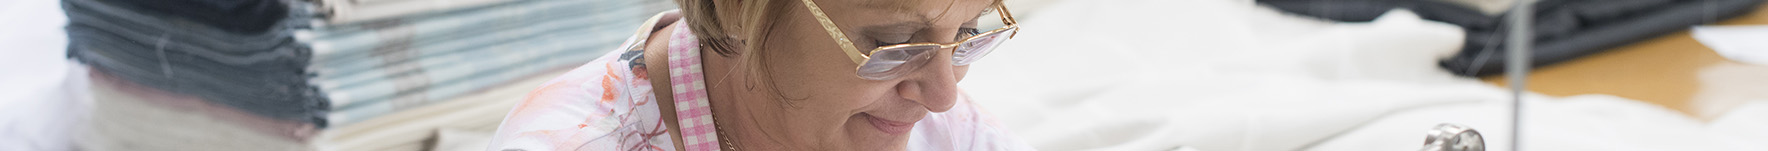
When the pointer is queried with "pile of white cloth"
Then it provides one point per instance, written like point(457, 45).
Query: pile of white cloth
point(1228, 75)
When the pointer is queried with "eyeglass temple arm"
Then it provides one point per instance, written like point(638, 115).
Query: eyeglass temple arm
point(1007, 18)
point(835, 32)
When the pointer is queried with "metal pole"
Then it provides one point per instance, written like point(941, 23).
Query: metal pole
point(1520, 40)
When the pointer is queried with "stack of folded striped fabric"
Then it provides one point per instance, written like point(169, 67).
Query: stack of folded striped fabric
point(375, 57)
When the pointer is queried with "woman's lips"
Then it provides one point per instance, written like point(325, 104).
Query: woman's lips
point(888, 126)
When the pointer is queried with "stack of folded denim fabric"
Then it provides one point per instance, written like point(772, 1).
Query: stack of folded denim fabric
point(235, 53)
point(375, 57)
point(178, 74)
point(335, 62)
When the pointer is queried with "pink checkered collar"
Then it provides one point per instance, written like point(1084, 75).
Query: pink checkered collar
point(688, 84)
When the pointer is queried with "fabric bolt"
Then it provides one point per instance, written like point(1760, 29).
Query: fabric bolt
point(261, 73)
point(356, 68)
point(349, 74)
point(242, 16)
point(375, 84)
point(1564, 29)
point(485, 16)
point(479, 55)
point(351, 42)
point(461, 140)
point(357, 63)
point(351, 11)
point(127, 116)
point(362, 1)
point(608, 104)
point(147, 28)
point(384, 67)
point(381, 98)
point(412, 130)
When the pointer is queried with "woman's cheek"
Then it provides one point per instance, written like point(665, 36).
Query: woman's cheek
point(959, 72)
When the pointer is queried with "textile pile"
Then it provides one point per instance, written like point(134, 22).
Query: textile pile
point(374, 57)
point(284, 69)
point(235, 53)
point(1227, 75)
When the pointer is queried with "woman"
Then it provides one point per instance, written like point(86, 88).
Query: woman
point(776, 75)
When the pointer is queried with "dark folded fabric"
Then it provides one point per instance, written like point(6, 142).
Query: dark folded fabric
point(1563, 29)
point(258, 72)
point(245, 16)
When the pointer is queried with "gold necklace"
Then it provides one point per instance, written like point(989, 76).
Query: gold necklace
point(728, 144)
point(718, 127)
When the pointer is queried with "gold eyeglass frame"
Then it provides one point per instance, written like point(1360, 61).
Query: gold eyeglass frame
point(861, 58)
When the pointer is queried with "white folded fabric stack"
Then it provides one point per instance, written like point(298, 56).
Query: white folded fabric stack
point(375, 57)
point(428, 126)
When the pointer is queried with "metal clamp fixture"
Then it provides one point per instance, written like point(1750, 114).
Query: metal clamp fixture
point(1453, 137)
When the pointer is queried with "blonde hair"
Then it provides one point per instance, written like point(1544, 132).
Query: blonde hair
point(704, 18)
point(754, 22)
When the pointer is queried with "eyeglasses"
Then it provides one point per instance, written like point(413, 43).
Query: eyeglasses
point(891, 61)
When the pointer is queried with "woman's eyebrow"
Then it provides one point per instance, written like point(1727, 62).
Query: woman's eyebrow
point(903, 27)
point(901, 18)
point(895, 8)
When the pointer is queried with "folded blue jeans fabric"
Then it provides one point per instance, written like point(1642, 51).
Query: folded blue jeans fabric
point(262, 73)
point(243, 16)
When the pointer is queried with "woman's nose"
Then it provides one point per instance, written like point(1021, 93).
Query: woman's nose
point(935, 86)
